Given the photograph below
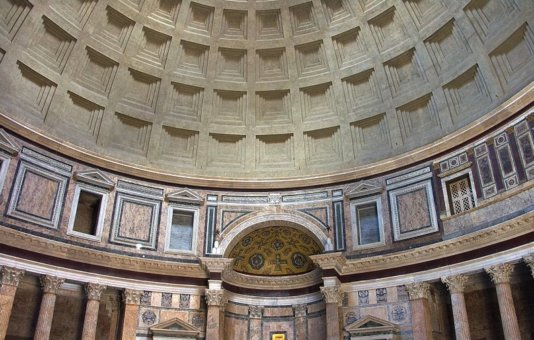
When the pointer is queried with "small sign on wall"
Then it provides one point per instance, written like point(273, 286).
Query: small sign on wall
point(278, 336)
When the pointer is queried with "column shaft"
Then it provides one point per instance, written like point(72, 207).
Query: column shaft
point(46, 313)
point(422, 326)
point(90, 320)
point(131, 309)
point(213, 324)
point(332, 321)
point(506, 307)
point(459, 311)
point(7, 296)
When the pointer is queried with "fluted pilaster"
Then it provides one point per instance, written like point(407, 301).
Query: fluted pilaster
point(131, 309)
point(215, 300)
point(301, 323)
point(333, 297)
point(419, 293)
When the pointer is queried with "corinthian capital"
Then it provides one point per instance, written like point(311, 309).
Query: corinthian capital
point(500, 273)
point(131, 296)
point(94, 291)
point(11, 276)
point(418, 290)
point(51, 284)
point(529, 260)
point(455, 283)
point(214, 297)
point(332, 294)
point(255, 312)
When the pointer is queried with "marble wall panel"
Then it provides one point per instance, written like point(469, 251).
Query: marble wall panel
point(317, 327)
point(278, 325)
point(235, 327)
point(413, 210)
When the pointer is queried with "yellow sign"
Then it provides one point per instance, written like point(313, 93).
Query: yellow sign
point(278, 337)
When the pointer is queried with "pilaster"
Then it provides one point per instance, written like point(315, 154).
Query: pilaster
point(131, 309)
point(419, 294)
point(333, 297)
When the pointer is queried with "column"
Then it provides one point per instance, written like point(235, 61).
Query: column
point(301, 322)
point(131, 309)
point(255, 314)
point(332, 296)
point(529, 260)
point(94, 292)
point(500, 275)
point(113, 309)
point(419, 293)
point(10, 281)
point(51, 285)
point(214, 300)
point(456, 285)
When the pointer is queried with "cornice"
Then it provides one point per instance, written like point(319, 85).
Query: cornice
point(70, 252)
point(272, 282)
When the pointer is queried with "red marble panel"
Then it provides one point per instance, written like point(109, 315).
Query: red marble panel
point(413, 210)
point(235, 328)
point(317, 327)
point(135, 221)
point(37, 195)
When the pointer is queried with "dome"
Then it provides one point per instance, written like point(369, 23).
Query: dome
point(259, 93)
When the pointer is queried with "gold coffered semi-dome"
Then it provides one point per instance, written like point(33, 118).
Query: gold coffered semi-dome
point(259, 93)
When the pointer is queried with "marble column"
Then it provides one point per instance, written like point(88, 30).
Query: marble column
point(500, 275)
point(9, 283)
point(255, 314)
point(131, 309)
point(113, 308)
point(51, 285)
point(529, 260)
point(333, 298)
point(301, 322)
point(456, 285)
point(214, 300)
point(94, 292)
point(419, 294)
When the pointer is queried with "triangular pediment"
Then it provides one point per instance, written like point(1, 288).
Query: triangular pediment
point(185, 196)
point(94, 177)
point(363, 189)
point(8, 144)
point(174, 326)
point(372, 324)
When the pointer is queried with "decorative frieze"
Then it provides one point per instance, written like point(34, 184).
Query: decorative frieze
point(11, 276)
point(455, 283)
point(51, 284)
point(94, 290)
point(418, 290)
point(500, 273)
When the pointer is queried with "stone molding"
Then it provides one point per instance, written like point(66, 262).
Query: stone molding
point(455, 283)
point(51, 284)
point(255, 312)
point(215, 297)
point(131, 296)
point(330, 261)
point(94, 291)
point(272, 282)
point(300, 310)
point(11, 276)
point(418, 290)
point(529, 260)
point(500, 273)
point(215, 264)
point(332, 294)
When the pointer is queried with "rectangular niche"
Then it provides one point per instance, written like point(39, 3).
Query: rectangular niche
point(303, 18)
point(182, 229)
point(116, 31)
point(273, 107)
point(142, 91)
point(229, 107)
point(387, 29)
point(130, 134)
point(413, 212)
point(361, 90)
point(269, 24)
point(271, 64)
point(232, 64)
point(404, 72)
point(179, 145)
point(371, 135)
point(487, 16)
point(52, 45)
point(337, 11)
point(447, 45)
point(35, 89)
point(467, 94)
point(193, 59)
point(418, 118)
point(367, 224)
point(84, 115)
point(88, 212)
point(97, 71)
point(136, 215)
point(323, 146)
point(12, 16)
point(226, 150)
point(311, 59)
point(275, 151)
point(234, 24)
point(39, 189)
point(423, 12)
point(318, 102)
point(512, 58)
point(186, 101)
point(154, 47)
point(200, 19)
point(350, 47)
point(166, 11)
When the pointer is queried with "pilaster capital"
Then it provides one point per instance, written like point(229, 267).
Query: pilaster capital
point(131, 296)
point(255, 312)
point(529, 260)
point(11, 276)
point(300, 310)
point(332, 294)
point(215, 264)
point(418, 290)
point(94, 291)
point(500, 273)
point(455, 283)
point(327, 261)
point(51, 284)
point(214, 297)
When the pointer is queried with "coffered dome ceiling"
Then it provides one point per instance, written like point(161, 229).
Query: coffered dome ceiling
point(256, 90)
point(275, 251)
